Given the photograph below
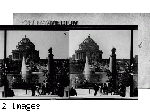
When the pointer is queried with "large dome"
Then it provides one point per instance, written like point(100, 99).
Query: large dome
point(88, 40)
point(25, 43)
point(88, 43)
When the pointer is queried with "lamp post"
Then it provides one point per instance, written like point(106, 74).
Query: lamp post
point(5, 67)
point(131, 81)
point(6, 84)
point(131, 64)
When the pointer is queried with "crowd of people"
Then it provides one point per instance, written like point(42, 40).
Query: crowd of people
point(38, 89)
point(103, 89)
point(43, 89)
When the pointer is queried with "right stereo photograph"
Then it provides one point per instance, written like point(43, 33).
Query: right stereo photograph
point(103, 64)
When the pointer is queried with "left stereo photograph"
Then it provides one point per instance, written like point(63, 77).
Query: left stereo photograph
point(34, 64)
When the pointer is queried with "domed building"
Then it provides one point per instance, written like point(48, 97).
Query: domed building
point(25, 61)
point(27, 49)
point(98, 66)
point(90, 49)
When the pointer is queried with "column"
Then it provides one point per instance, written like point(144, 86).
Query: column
point(75, 55)
point(14, 56)
point(5, 74)
point(80, 56)
point(131, 85)
point(51, 72)
point(83, 55)
point(19, 56)
point(131, 61)
point(112, 67)
point(50, 62)
point(131, 50)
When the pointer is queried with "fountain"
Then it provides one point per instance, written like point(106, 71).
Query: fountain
point(86, 71)
point(23, 69)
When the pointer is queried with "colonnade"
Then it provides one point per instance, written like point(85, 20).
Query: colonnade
point(16, 56)
point(79, 55)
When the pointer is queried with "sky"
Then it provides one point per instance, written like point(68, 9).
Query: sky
point(43, 40)
point(64, 46)
point(106, 39)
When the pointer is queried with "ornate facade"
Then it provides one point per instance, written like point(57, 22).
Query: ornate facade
point(35, 66)
point(27, 49)
point(90, 49)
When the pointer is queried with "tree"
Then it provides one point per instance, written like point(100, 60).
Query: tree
point(110, 79)
point(60, 77)
point(109, 74)
point(13, 66)
point(121, 78)
point(124, 77)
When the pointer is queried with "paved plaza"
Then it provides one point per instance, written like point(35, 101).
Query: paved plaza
point(81, 94)
point(84, 93)
point(21, 94)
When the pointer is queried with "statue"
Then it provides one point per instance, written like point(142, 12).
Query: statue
point(50, 50)
point(113, 50)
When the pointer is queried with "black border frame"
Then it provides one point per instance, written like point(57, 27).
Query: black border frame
point(5, 28)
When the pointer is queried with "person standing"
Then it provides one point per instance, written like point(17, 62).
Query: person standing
point(105, 89)
point(33, 89)
point(96, 88)
point(37, 93)
point(44, 88)
point(100, 89)
point(112, 90)
point(73, 92)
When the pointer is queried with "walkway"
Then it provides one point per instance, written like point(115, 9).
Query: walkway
point(21, 94)
point(84, 93)
point(81, 94)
